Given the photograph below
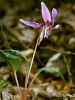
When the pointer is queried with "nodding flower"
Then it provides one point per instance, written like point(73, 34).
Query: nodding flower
point(46, 25)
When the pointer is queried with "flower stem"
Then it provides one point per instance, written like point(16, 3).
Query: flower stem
point(26, 82)
point(17, 84)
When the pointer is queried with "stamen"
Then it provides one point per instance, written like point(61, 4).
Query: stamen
point(46, 32)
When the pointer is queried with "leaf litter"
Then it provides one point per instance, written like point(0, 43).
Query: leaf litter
point(47, 85)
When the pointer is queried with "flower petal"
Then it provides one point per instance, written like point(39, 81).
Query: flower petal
point(45, 13)
point(41, 36)
point(54, 13)
point(40, 39)
point(32, 24)
point(55, 27)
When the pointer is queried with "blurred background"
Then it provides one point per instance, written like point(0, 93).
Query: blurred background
point(15, 35)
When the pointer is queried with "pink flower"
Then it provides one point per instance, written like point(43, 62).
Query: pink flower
point(48, 23)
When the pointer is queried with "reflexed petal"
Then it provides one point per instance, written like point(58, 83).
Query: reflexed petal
point(55, 27)
point(45, 13)
point(41, 36)
point(32, 24)
point(54, 13)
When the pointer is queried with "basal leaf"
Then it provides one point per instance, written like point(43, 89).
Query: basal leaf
point(49, 69)
point(13, 62)
point(23, 56)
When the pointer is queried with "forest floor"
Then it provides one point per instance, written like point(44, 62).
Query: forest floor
point(58, 51)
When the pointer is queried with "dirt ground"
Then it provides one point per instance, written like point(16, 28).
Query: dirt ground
point(58, 51)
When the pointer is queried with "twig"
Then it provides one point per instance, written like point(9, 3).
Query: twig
point(68, 70)
point(6, 44)
point(64, 52)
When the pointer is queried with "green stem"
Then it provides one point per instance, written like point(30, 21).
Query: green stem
point(17, 84)
point(27, 78)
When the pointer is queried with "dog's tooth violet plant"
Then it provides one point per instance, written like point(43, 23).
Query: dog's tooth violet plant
point(14, 57)
point(45, 26)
